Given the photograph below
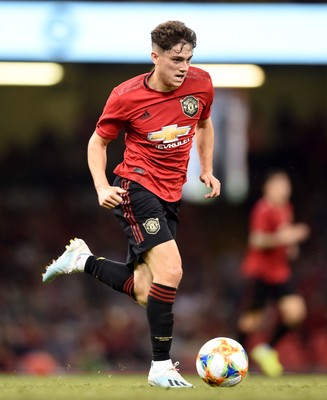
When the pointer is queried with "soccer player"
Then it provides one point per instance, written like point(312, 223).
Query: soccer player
point(160, 112)
point(273, 240)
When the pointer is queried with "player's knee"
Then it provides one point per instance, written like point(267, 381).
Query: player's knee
point(298, 315)
point(172, 274)
point(249, 322)
point(293, 310)
point(165, 263)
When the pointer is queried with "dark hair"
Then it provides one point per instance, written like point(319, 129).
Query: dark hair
point(171, 33)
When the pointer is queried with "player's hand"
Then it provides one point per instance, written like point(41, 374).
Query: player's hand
point(210, 182)
point(110, 196)
point(293, 234)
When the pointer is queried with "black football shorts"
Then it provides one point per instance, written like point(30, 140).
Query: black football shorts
point(146, 219)
point(259, 293)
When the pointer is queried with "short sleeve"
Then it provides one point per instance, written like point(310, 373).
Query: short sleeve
point(112, 119)
point(207, 107)
point(260, 219)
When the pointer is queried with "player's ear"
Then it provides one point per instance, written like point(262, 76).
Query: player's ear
point(154, 57)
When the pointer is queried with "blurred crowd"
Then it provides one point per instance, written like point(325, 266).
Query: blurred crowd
point(77, 324)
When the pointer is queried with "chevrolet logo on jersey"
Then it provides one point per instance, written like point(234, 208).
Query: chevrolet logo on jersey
point(170, 137)
point(169, 134)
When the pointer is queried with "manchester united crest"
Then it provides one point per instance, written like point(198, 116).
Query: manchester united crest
point(190, 106)
point(152, 226)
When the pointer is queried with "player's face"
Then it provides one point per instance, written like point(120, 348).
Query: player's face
point(278, 189)
point(171, 67)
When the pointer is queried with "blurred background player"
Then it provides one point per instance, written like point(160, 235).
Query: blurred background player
point(160, 112)
point(273, 242)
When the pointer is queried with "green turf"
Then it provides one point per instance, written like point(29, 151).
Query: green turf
point(134, 387)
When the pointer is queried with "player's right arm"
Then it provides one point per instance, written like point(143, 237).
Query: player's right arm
point(288, 235)
point(108, 196)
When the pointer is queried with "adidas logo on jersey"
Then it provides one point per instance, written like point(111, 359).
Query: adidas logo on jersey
point(145, 115)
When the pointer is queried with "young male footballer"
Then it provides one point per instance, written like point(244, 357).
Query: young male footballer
point(159, 112)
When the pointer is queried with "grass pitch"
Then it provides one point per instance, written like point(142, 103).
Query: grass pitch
point(134, 387)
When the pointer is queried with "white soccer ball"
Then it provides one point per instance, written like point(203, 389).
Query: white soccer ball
point(222, 362)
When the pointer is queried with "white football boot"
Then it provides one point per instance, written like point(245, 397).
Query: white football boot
point(67, 262)
point(167, 377)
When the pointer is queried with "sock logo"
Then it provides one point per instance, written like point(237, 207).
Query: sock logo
point(163, 338)
point(152, 226)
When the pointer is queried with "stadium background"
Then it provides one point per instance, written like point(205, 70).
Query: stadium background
point(47, 196)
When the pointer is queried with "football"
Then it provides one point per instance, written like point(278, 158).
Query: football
point(222, 361)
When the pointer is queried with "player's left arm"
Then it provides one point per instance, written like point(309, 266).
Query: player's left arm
point(205, 146)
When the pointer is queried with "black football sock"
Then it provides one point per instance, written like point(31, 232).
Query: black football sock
point(161, 319)
point(279, 332)
point(241, 337)
point(117, 275)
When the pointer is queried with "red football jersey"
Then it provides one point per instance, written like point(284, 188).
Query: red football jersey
point(270, 265)
point(159, 129)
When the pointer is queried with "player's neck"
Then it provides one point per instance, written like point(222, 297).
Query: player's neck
point(274, 201)
point(155, 83)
